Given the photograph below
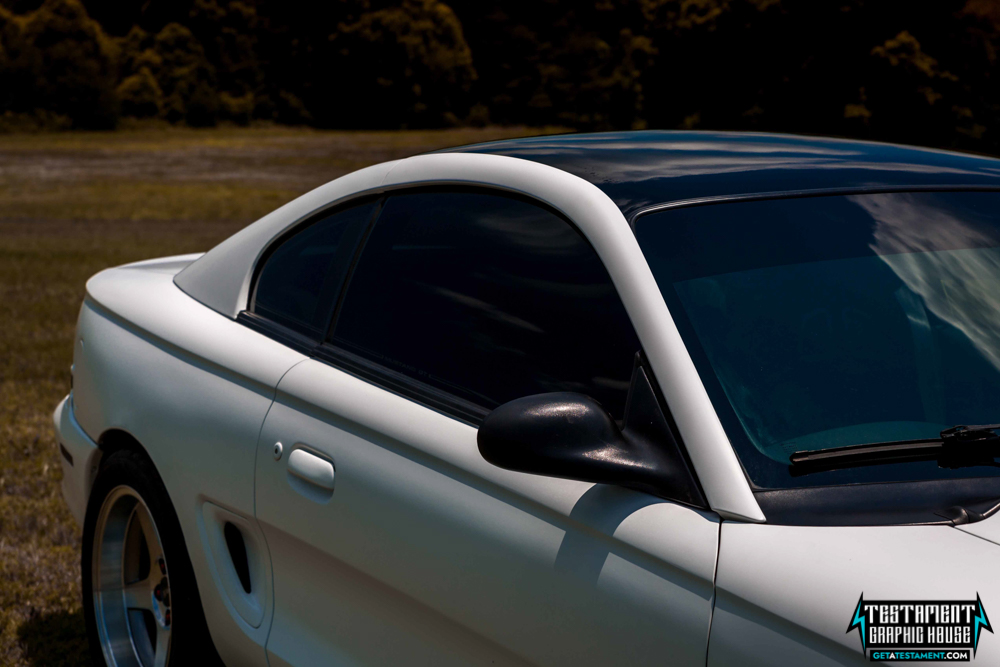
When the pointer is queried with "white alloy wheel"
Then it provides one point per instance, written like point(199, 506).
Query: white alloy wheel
point(130, 583)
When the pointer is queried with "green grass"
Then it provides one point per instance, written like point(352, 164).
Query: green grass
point(72, 204)
point(141, 200)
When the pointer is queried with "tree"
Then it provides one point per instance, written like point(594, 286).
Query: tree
point(139, 91)
point(227, 31)
point(400, 65)
point(556, 61)
point(186, 77)
point(845, 67)
point(60, 60)
point(140, 95)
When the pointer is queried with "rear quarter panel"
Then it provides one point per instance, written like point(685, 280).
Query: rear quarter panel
point(192, 387)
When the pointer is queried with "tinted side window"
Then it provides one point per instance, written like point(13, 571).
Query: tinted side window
point(302, 278)
point(489, 298)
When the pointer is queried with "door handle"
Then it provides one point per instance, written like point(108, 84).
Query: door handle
point(312, 469)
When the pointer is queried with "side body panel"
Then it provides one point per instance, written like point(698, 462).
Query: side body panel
point(425, 554)
point(193, 388)
point(787, 594)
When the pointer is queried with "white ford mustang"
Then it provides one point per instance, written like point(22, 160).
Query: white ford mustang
point(624, 399)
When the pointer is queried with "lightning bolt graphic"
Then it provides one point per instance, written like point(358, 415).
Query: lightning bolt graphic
point(859, 623)
point(981, 622)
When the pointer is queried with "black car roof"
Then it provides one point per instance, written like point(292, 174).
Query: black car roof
point(639, 170)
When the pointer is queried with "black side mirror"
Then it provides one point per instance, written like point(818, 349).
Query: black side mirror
point(571, 435)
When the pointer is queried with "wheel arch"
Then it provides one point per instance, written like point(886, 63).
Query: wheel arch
point(146, 483)
point(116, 439)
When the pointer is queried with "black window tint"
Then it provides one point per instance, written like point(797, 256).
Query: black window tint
point(490, 298)
point(302, 278)
point(822, 322)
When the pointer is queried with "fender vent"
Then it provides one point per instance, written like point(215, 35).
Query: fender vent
point(238, 554)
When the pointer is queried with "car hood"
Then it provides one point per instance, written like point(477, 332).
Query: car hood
point(988, 529)
point(794, 589)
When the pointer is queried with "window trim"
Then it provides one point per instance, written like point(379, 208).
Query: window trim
point(368, 371)
point(801, 194)
point(401, 384)
point(277, 332)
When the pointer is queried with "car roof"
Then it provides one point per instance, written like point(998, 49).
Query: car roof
point(642, 169)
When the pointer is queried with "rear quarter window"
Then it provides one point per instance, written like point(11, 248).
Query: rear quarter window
point(302, 276)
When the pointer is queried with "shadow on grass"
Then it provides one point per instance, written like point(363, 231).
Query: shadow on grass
point(57, 639)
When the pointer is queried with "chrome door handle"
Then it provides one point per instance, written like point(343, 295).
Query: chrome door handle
point(312, 469)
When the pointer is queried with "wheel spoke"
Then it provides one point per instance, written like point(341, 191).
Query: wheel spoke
point(138, 595)
point(149, 533)
point(162, 646)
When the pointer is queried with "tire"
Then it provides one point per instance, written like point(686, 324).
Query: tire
point(140, 598)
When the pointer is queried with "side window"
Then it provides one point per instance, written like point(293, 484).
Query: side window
point(302, 278)
point(489, 298)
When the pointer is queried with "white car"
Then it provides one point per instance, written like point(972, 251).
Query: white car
point(620, 399)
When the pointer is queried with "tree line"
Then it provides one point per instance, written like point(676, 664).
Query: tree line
point(887, 69)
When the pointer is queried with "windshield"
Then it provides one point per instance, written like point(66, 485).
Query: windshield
point(822, 322)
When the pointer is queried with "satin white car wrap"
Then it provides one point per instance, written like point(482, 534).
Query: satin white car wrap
point(426, 554)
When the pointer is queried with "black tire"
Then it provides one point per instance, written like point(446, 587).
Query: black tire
point(190, 642)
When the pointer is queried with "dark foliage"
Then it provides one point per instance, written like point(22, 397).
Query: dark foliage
point(881, 70)
point(57, 59)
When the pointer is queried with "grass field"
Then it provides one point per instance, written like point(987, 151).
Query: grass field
point(72, 204)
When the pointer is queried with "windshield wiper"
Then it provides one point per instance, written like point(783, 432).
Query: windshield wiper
point(957, 447)
point(967, 433)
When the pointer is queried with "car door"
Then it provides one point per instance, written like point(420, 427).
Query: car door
point(392, 540)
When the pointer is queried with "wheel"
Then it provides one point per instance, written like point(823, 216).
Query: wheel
point(140, 599)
